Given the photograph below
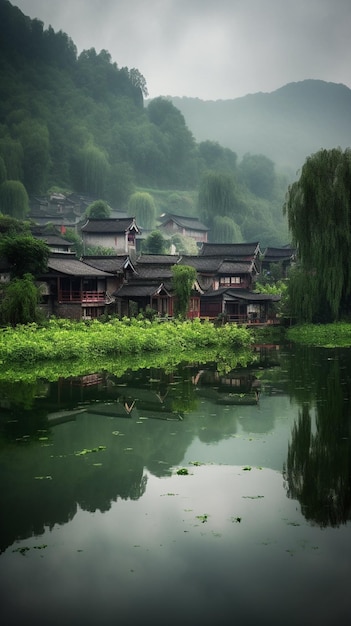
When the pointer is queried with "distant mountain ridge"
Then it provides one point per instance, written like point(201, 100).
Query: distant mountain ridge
point(286, 125)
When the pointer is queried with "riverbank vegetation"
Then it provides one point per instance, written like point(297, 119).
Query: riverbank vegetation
point(337, 335)
point(64, 340)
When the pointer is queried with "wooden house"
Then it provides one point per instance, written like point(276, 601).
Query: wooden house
point(285, 257)
point(171, 224)
point(116, 234)
point(73, 289)
point(215, 272)
point(238, 305)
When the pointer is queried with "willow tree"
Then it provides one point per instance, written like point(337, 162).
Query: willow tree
point(318, 207)
point(217, 196)
point(141, 205)
point(183, 278)
point(14, 199)
point(19, 304)
point(93, 170)
point(225, 230)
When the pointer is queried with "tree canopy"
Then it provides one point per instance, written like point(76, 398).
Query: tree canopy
point(98, 209)
point(141, 205)
point(318, 206)
point(25, 254)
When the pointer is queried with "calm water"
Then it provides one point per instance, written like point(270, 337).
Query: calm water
point(98, 526)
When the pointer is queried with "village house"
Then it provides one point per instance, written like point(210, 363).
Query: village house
point(118, 234)
point(171, 224)
point(285, 257)
point(150, 286)
point(73, 289)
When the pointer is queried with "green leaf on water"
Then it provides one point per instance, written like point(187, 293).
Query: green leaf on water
point(183, 471)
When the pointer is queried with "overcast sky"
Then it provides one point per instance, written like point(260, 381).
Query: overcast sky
point(210, 49)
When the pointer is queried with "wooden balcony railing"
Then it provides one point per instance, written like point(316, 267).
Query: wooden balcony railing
point(82, 296)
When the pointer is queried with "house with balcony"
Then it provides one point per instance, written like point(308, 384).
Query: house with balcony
point(73, 289)
point(118, 234)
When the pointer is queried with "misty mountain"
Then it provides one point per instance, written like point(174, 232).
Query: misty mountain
point(286, 125)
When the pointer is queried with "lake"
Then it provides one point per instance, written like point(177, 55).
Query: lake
point(192, 496)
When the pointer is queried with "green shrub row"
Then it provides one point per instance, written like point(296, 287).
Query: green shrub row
point(68, 340)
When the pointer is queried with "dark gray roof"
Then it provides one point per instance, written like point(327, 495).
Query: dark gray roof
point(54, 240)
point(278, 254)
point(114, 264)
point(109, 225)
point(241, 294)
point(152, 272)
point(73, 267)
point(228, 250)
point(140, 290)
point(202, 264)
point(159, 259)
point(190, 223)
point(231, 268)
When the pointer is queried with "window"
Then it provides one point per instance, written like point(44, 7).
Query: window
point(230, 280)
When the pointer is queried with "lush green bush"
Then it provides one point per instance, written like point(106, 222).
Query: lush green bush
point(68, 340)
point(324, 335)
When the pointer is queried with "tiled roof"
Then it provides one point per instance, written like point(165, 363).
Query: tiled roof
point(114, 264)
point(279, 254)
point(150, 272)
point(241, 294)
point(73, 267)
point(109, 225)
point(140, 290)
point(230, 268)
point(54, 240)
point(202, 264)
point(227, 250)
point(191, 223)
point(159, 259)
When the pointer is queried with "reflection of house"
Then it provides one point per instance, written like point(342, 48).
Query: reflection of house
point(73, 289)
point(188, 226)
point(116, 234)
point(285, 257)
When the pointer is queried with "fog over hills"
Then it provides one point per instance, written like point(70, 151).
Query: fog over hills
point(286, 125)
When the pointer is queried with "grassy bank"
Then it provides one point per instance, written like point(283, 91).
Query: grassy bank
point(322, 335)
point(64, 340)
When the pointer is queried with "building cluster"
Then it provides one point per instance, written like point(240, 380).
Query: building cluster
point(127, 282)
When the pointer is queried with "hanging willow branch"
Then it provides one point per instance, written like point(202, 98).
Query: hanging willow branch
point(318, 207)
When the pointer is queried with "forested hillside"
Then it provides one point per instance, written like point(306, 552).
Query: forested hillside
point(286, 125)
point(80, 123)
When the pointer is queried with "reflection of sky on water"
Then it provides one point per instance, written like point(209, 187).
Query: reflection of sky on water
point(156, 559)
point(260, 432)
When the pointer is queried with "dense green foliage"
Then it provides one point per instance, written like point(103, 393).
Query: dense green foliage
point(319, 214)
point(19, 305)
point(141, 205)
point(67, 340)
point(14, 199)
point(25, 254)
point(183, 278)
point(98, 209)
point(79, 123)
point(333, 335)
point(154, 243)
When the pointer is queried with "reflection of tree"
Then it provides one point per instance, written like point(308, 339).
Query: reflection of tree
point(317, 469)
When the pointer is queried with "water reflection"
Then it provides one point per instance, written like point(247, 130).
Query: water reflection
point(96, 438)
point(318, 464)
